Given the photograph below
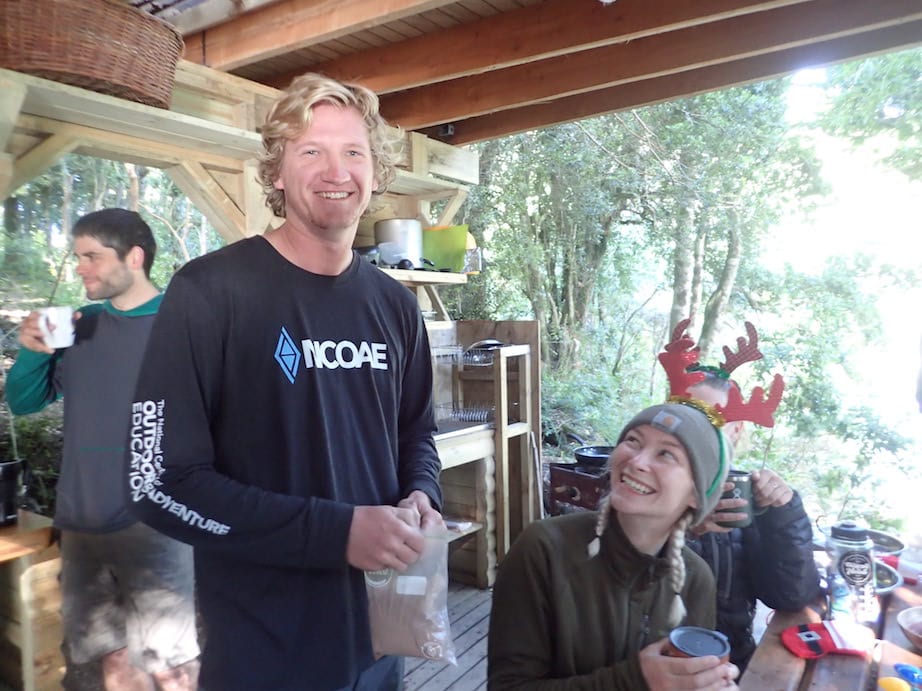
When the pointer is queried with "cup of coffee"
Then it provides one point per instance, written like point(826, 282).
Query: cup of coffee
point(695, 641)
point(57, 326)
point(9, 491)
point(742, 489)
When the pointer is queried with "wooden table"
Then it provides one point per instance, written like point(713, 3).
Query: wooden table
point(30, 601)
point(774, 668)
point(32, 533)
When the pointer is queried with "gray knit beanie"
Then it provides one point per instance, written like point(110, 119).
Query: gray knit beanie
point(708, 452)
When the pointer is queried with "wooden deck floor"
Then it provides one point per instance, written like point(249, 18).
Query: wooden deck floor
point(469, 612)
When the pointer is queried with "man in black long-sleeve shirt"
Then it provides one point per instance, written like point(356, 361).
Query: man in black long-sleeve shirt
point(283, 419)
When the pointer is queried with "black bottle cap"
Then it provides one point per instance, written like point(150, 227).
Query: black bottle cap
point(849, 531)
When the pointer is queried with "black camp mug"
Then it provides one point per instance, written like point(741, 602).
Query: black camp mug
point(742, 489)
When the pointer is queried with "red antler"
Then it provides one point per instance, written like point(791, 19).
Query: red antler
point(748, 351)
point(681, 353)
point(678, 355)
point(759, 409)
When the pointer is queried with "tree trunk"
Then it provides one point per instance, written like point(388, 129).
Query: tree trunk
point(67, 198)
point(134, 187)
point(717, 303)
point(13, 254)
point(683, 267)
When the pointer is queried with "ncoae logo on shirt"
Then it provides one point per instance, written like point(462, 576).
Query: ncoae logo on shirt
point(327, 354)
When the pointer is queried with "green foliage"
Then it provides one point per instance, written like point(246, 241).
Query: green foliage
point(669, 207)
point(35, 243)
point(880, 100)
point(39, 443)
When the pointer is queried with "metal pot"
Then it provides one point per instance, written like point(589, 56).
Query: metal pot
point(402, 239)
point(593, 455)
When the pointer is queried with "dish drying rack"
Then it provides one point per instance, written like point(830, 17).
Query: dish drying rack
point(465, 413)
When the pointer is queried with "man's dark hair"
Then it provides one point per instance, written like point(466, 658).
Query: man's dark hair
point(121, 230)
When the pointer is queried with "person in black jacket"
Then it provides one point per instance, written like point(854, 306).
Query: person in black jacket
point(282, 422)
point(770, 560)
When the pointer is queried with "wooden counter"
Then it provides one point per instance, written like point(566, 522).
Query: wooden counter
point(30, 603)
point(32, 533)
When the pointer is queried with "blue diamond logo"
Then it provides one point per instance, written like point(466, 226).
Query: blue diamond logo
point(287, 355)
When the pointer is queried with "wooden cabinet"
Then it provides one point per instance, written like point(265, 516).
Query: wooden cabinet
point(489, 470)
point(504, 385)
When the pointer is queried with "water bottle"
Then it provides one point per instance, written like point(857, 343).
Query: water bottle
point(852, 582)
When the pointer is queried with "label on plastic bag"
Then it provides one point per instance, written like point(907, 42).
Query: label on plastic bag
point(411, 585)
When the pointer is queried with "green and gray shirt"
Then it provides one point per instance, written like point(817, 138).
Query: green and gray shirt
point(96, 377)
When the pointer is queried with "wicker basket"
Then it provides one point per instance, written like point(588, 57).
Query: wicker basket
point(100, 45)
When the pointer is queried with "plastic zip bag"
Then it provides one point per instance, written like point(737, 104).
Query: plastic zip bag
point(408, 611)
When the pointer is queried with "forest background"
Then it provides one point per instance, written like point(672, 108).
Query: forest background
point(792, 204)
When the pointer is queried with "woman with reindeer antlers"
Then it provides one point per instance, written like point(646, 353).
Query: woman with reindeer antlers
point(586, 600)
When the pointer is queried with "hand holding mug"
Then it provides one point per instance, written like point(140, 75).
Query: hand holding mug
point(47, 329)
point(740, 489)
point(726, 511)
point(663, 671)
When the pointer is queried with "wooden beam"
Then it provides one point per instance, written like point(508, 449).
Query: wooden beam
point(549, 29)
point(41, 158)
point(12, 96)
point(123, 147)
point(259, 217)
point(653, 56)
point(210, 198)
point(291, 25)
point(683, 84)
point(6, 175)
point(220, 97)
point(454, 204)
point(71, 104)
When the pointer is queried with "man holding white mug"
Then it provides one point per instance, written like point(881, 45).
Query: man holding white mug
point(127, 591)
point(57, 326)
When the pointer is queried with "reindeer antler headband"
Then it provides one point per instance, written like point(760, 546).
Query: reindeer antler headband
point(680, 360)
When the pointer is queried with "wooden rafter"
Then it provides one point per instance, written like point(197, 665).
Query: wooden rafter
point(645, 58)
point(687, 83)
point(550, 29)
point(475, 66)
point(291, 25)
point(210, 198)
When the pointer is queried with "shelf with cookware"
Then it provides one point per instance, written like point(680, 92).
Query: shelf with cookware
point(487, 401)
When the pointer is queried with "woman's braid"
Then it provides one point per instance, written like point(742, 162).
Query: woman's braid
point(677, 567)
point(600, 525)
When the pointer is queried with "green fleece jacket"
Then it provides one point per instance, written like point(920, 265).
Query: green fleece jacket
point(562, 620)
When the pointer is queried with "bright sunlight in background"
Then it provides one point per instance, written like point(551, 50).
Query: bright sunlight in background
point(874, 211)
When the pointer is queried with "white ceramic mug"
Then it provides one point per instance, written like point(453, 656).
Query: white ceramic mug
point(57, 326)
